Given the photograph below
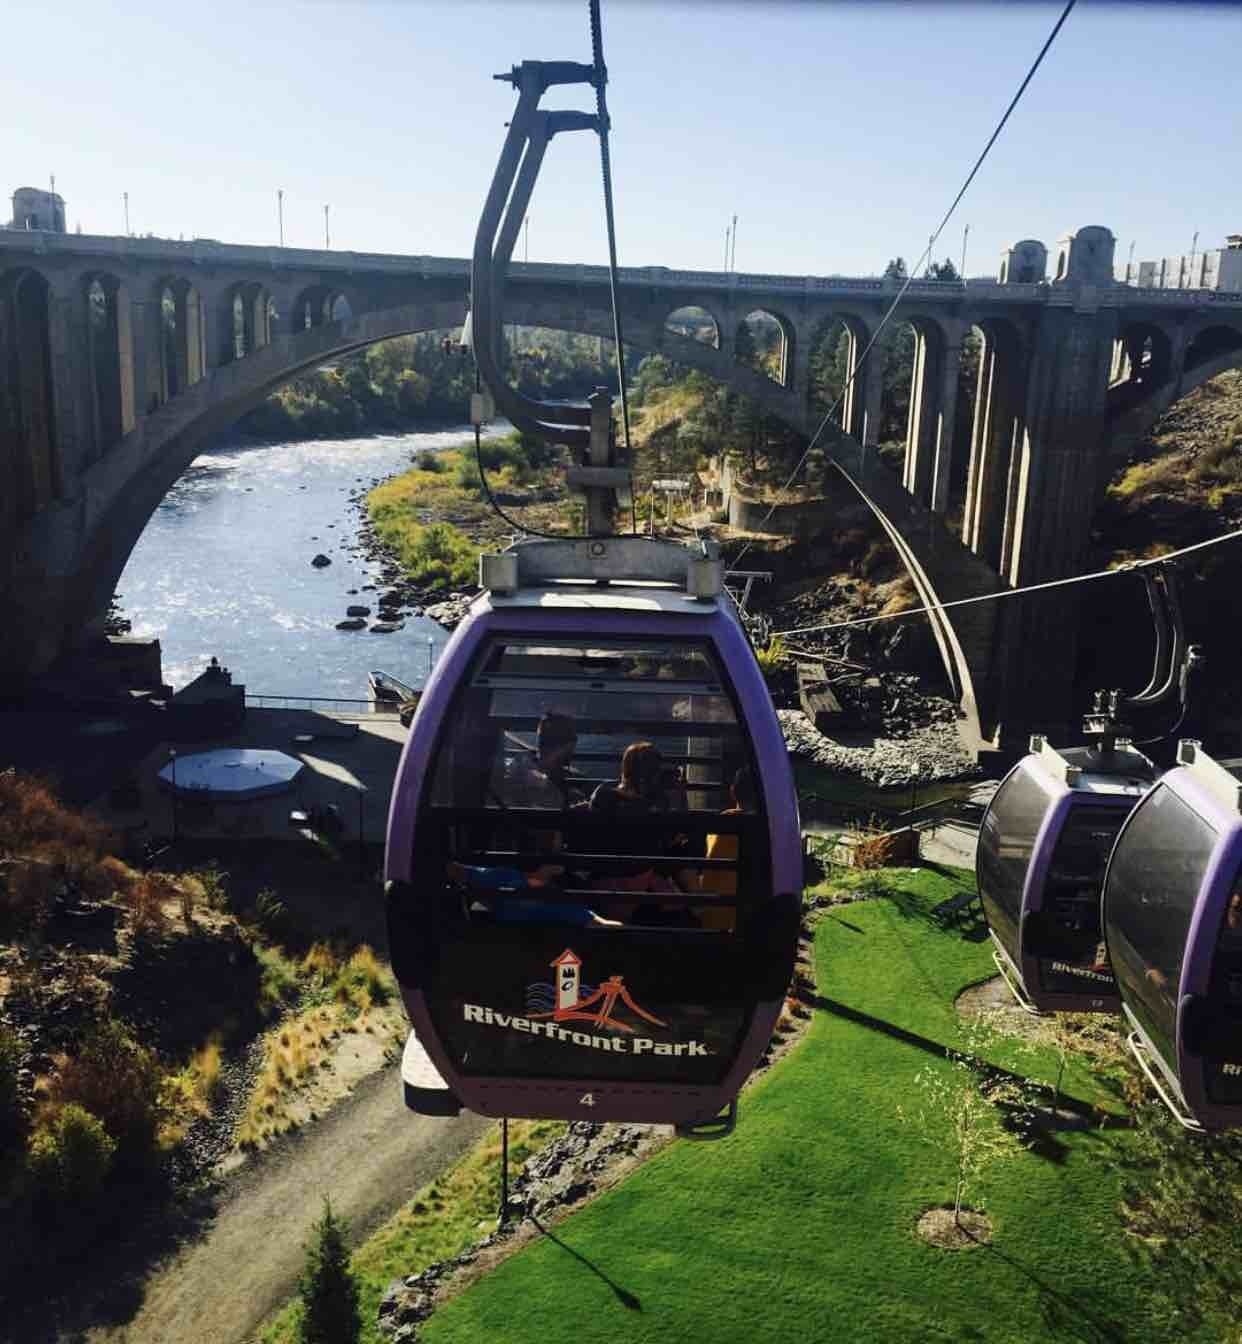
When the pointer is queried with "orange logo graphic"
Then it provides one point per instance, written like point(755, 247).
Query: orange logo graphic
point(571, 1008)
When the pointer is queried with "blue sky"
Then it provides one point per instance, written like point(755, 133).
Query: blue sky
point(838, 133)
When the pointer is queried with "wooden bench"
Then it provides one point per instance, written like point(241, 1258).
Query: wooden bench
point(964, 904)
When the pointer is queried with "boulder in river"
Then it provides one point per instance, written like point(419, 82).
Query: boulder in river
point(386, 627)
point(357, 611)
point(320, 561)
point(354, 623)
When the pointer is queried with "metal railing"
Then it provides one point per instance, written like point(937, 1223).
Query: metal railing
point(338, 704)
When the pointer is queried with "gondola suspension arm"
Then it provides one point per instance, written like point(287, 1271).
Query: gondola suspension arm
point(529, 131)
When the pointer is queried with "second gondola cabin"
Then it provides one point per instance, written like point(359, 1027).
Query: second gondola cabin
point(1043, 847)
point(594, 855)
point(1172, 914)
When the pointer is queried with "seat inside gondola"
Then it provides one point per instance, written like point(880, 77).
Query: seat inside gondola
point(1043, 848)
point(1172, 911)
point(617, 910)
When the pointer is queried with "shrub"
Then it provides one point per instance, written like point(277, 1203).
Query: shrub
point(363, 981)
point(772, 657)
point(71, 1154)
point(204, 1069)
point(271, 914)
point(12, 1118)
point(31, 816)
point(426, 460)
point(278, 981)
point(438, 554)
point(328, 1292)
point(117, 1080)
point(214, 884)
point(145, 898)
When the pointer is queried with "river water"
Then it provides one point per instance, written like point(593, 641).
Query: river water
point(223, 568)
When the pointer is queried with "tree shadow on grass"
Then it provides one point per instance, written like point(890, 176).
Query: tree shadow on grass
point(989, 1074)
point(627, 1299)
point(1060, 1312)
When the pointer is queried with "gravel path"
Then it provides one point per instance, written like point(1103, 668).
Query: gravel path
point(369, 1154)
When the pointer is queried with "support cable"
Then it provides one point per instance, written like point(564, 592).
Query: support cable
point(914, 270)
point(605, 162)
point(1016, 592)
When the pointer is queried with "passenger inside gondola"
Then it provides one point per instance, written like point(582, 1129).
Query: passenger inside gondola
point(539, 780)
point(511, 896)
point(723, 882)
point(641, 792)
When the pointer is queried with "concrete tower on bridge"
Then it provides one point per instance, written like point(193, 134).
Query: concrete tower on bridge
point(39, 210)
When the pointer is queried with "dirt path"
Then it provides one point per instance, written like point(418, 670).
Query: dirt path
point(369, 1154)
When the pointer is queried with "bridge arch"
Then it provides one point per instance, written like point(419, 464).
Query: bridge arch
point(835, 346)
point(691, 322)
point(143, 468)
point(317, 305)
point(1142, 355)
point(764, 341)
point(248, 313)
point(110, 358)
point(182, 343)
point(27, 403)
point(1210, 343)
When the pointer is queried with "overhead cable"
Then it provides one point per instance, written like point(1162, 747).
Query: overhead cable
point(914, 270)
point(1127, 568)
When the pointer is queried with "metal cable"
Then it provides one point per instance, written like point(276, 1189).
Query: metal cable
point(1016, 592)
point(914, 270)
point(605, 163)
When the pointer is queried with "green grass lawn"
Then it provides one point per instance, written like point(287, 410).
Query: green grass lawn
point(801, 1225)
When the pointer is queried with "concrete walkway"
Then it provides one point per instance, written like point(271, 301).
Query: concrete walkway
point(369, 1155)
point(953, 842)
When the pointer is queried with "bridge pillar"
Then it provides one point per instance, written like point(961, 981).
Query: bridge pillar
point(991, 448)
point(946, 426)
point(921, 425)
point(67, 333)
point(146, 331)
point(872, 396)
point(1060, 434)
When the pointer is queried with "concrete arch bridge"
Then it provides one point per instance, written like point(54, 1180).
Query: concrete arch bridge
point(120, 357)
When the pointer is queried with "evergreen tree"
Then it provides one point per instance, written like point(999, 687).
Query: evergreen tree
point(744, 348)
point(329, 1294)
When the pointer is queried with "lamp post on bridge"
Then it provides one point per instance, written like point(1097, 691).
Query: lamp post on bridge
point(327, 237)
point(280, 214)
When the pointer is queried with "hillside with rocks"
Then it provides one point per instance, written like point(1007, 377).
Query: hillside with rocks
point(1182, 485)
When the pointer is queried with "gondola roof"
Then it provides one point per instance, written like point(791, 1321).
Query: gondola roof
point(638, 597)
point(1121, 771)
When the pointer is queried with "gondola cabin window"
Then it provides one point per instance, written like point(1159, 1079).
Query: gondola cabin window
point(1075, 957)
point(1154, 879)
point(595, 782)
point(1005, 846)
